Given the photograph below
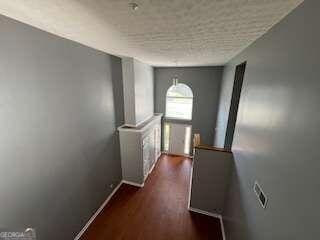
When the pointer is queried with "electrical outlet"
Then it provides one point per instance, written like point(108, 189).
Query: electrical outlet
point(262, 198)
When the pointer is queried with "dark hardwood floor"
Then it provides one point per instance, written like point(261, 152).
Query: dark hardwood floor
point(158, 211)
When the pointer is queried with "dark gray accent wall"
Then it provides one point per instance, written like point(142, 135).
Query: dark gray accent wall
point(205, 84)
point(277, 132)
point(60, 103)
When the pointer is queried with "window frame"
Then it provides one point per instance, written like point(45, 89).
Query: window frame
point(178, 97)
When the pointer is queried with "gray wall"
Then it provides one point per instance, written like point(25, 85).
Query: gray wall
point(211, 172)
point(277, 132)
point(58, 146)
point(205, 84)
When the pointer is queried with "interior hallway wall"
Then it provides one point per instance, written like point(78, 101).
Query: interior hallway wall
point(60, 103)
point(205, 84)
point(277, 132)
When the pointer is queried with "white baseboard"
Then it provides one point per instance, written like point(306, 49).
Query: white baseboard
point(155, 162)
point(133, 183)
point(190, 186)
point(222, 228)
point(97, 212)
point(215, 215)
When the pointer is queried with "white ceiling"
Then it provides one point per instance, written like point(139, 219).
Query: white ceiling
point(160, 32)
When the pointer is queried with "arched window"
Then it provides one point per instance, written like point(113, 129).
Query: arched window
point(179, 101)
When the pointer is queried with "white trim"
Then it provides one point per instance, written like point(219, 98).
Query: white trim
point(155, 162)
point(215, 215)
point(222, 228)
point(139, 123)
point(135, 128)
point(145, 120)
point(190, 185)
point(133, 183)
point(97, 212)
point(179, 155)
point(151, 169)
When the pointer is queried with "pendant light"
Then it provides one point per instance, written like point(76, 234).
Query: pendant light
point(175, 80)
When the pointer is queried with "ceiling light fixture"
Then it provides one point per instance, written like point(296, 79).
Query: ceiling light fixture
point(134, 6)
point(175, 81)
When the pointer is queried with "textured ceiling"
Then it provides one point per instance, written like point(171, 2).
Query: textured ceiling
point(160, 32)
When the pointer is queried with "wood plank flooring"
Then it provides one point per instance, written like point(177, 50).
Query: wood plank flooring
point(158, 211)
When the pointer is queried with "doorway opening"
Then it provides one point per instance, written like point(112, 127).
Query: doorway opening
point(235, 99)
point(177, 138)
